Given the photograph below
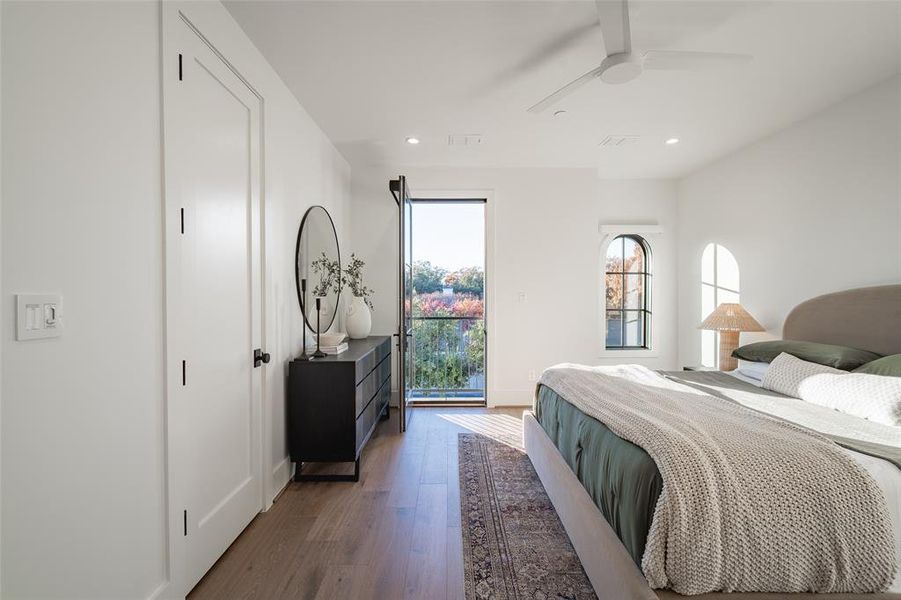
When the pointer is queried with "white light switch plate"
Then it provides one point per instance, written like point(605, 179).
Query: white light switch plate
point(38, 316)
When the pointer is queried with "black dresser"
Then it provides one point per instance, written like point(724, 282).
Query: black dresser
point(334, 404)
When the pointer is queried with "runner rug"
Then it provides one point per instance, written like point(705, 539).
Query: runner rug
point(514, 545)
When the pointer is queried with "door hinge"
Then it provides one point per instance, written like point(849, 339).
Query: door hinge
point(180, 68)
point(184, 373)
point(186, 522)
point(182, 211)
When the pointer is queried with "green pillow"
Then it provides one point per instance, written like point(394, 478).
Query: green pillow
point(887, 365)
point(840, 357)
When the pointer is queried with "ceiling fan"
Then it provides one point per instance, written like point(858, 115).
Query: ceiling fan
point(621, 65)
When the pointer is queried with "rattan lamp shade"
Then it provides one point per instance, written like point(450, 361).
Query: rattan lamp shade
point(730, 319)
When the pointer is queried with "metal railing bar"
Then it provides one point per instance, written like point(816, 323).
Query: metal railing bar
point(447, 318)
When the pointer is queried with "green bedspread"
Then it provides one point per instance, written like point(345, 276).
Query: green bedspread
point(619, 476)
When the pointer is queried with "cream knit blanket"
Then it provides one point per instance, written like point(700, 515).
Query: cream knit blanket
point(749, 503)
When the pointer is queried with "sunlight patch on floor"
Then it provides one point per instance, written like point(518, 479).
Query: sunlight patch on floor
point(504, 428)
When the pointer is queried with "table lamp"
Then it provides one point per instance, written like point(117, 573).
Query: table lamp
point(730, 319)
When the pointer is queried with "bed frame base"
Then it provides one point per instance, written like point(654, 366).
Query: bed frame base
point(610, 569)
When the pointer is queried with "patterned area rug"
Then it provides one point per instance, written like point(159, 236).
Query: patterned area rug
point(514, 545)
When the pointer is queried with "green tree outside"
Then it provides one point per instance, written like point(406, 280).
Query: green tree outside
point(448, 353)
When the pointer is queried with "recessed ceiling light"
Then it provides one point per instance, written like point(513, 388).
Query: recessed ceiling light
point(559, 113)
point(413, 140)
point(671, 141)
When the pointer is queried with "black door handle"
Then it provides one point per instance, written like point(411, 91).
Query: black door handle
point(260, 357)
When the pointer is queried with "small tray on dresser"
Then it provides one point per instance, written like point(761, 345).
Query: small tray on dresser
point(334, 405)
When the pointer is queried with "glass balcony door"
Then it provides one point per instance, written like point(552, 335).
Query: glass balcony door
point(401, 193)
point(448, 302)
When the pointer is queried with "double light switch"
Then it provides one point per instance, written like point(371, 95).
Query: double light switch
point(38, 316)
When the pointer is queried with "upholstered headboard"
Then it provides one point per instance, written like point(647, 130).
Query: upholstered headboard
point(866, 318)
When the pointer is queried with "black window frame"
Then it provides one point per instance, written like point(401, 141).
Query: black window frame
point(645, 309)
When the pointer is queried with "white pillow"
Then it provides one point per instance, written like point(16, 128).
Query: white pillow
point(876, 398)
point(753, 370)
point(787, 372)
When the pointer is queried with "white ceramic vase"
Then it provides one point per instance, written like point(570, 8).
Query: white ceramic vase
point(358, 320)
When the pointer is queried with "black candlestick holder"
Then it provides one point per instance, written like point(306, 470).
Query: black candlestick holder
point(319, 353)
point(303, 320)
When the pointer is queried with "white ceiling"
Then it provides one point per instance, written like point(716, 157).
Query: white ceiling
point(372, 73)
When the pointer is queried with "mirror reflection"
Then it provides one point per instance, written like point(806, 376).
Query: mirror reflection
point(318, 269)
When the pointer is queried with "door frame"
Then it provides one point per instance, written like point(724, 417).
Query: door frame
point(404, 200)
point(173, 16)
point(486, 195)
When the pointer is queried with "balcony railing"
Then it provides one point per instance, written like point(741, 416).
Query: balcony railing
point(448, 358)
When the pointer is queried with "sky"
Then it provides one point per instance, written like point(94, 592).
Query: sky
point(449, 235)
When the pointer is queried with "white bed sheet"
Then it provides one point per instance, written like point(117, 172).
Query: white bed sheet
point(744, 378)
point(888, 476)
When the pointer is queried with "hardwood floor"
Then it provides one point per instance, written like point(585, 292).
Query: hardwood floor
point(394, 535)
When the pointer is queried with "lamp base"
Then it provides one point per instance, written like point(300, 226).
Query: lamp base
point(728, 343)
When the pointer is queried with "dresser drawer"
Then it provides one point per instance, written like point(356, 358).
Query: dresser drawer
point(371, 384)
point(366, 364)
point(368, 418)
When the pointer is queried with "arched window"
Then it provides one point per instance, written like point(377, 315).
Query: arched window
point(719, 283)
point(627, 279)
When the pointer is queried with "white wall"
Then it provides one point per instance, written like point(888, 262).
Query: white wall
point(1, 281)
point(546, 243)
point(83, 505)
point(82, 429)
point(812, 209)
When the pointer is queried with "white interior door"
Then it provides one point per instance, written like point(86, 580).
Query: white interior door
point(213, 185)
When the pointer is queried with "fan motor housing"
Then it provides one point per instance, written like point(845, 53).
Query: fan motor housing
point(620, 68)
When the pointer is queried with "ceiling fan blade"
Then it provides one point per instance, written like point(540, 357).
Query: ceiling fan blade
point(565, 91)
point(614, 18)
point(676, 60)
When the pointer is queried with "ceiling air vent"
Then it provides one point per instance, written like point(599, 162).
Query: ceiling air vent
point(618, 141)
point(464, 139)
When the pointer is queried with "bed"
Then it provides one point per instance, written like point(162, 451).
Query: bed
point(608, 509)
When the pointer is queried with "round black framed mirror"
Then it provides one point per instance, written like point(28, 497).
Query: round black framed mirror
point(317, 269)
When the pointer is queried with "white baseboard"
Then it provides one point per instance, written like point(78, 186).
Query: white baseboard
point(281, 476)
